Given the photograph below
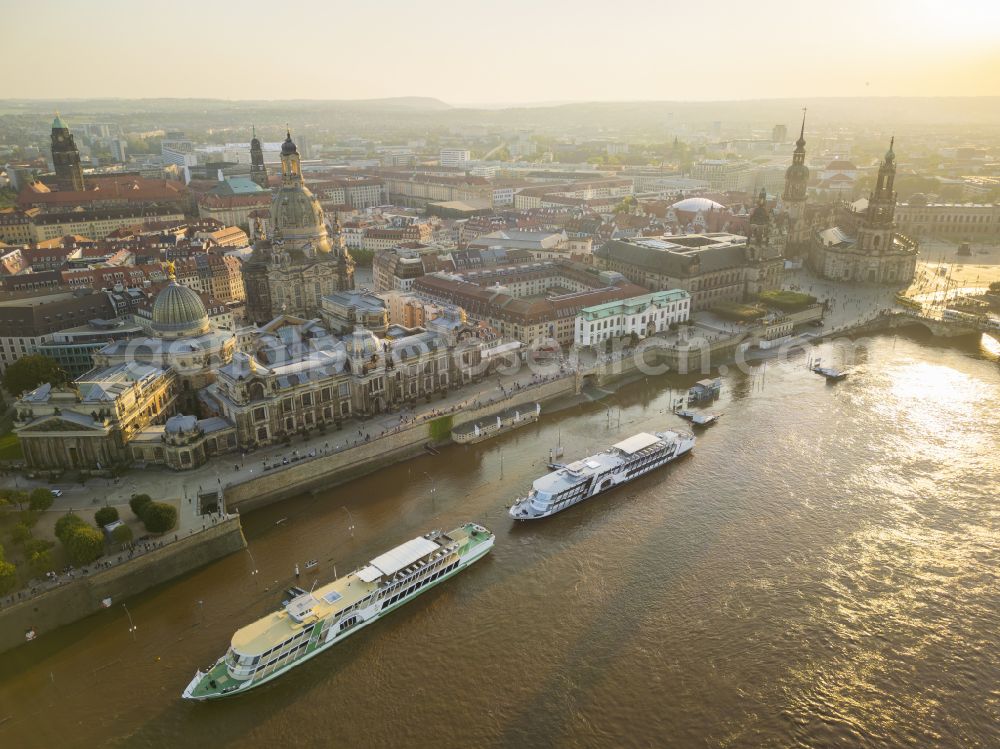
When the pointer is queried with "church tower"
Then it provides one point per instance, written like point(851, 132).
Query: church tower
point(65, 156)
point(794, 197)
point(291, 271)
point(876, 231)
point(258, 172)
point(760, 228)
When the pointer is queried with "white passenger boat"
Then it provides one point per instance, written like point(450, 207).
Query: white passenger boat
point(619, 464)
point(312, 621)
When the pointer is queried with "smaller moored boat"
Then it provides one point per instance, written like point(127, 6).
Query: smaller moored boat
point(830, 373)
point(705, 390)
point(698, 419)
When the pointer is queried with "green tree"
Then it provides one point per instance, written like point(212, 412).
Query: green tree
point(105, 515)
point(29, 372)
point(122, 535)
point(8, 577)
point(159, 517)
point(20, 534)
point(40, 499)
point(15, 497)
point(36, 551)
point(66, 525)
point(37, 544)
point(84, 544)
point(40, 561)
point(139, 503)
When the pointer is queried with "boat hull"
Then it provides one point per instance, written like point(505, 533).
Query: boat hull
point(474, 555)
point(522, 510)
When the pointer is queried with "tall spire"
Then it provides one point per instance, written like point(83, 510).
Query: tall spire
point(801, 142)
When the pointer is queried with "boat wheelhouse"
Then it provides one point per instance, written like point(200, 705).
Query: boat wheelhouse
point(622, 462)
point(312, 621)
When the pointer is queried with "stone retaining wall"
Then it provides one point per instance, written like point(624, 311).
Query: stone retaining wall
point(330, 470)
point(81, 597)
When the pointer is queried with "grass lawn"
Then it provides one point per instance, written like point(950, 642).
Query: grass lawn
point(737, 311)
point(789, 301)
point(10, 448)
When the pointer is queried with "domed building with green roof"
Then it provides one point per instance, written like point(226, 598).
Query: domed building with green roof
point(178, 312)
point(180, 338)
point(292, 270)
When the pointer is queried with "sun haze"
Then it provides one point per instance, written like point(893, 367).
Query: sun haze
point(520, 51)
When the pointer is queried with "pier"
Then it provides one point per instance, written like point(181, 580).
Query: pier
point(492, 426)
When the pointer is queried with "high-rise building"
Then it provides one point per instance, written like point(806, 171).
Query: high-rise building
point(794, 197)
point(119, 150)
point(779, 133)
point(454, 156)
point(292, 270)
point(65, 156)
point(258, 172)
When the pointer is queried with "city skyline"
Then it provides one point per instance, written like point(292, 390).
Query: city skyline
point(742, 52)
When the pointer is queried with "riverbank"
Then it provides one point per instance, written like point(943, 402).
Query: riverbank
point(77, 598)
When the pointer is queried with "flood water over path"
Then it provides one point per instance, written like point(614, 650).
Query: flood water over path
point(821, 571)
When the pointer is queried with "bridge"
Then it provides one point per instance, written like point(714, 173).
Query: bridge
point(947, 327)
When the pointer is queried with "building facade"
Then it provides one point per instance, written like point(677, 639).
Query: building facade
point(712, 268)
point(873, 252)
point(292, 270)
point(959, 222)
point(794, 198)
point(258, 171)
point(89, 422)
point(65, 156)
point(644, 315)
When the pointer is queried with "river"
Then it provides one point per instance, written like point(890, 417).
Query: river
point(824, 570)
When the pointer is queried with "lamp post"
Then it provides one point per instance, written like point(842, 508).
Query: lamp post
point(131, 625)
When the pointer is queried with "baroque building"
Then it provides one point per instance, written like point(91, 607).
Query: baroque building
point(181, 339)
point(871, 252)
point(65, 156)
point(765, 260)
point(794, 198)
point(297, 376)
point(87, 424)
point(292, 270)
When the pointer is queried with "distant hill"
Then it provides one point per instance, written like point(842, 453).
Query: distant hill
point(417, 103)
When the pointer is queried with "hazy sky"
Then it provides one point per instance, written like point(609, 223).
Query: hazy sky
point(510, 51)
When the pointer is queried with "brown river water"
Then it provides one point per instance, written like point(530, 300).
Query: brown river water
point(822, 571)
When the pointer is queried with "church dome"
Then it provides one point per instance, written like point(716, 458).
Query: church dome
point(694, 205)
point(297, 218)
point(288, 147)
point(178, 313)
